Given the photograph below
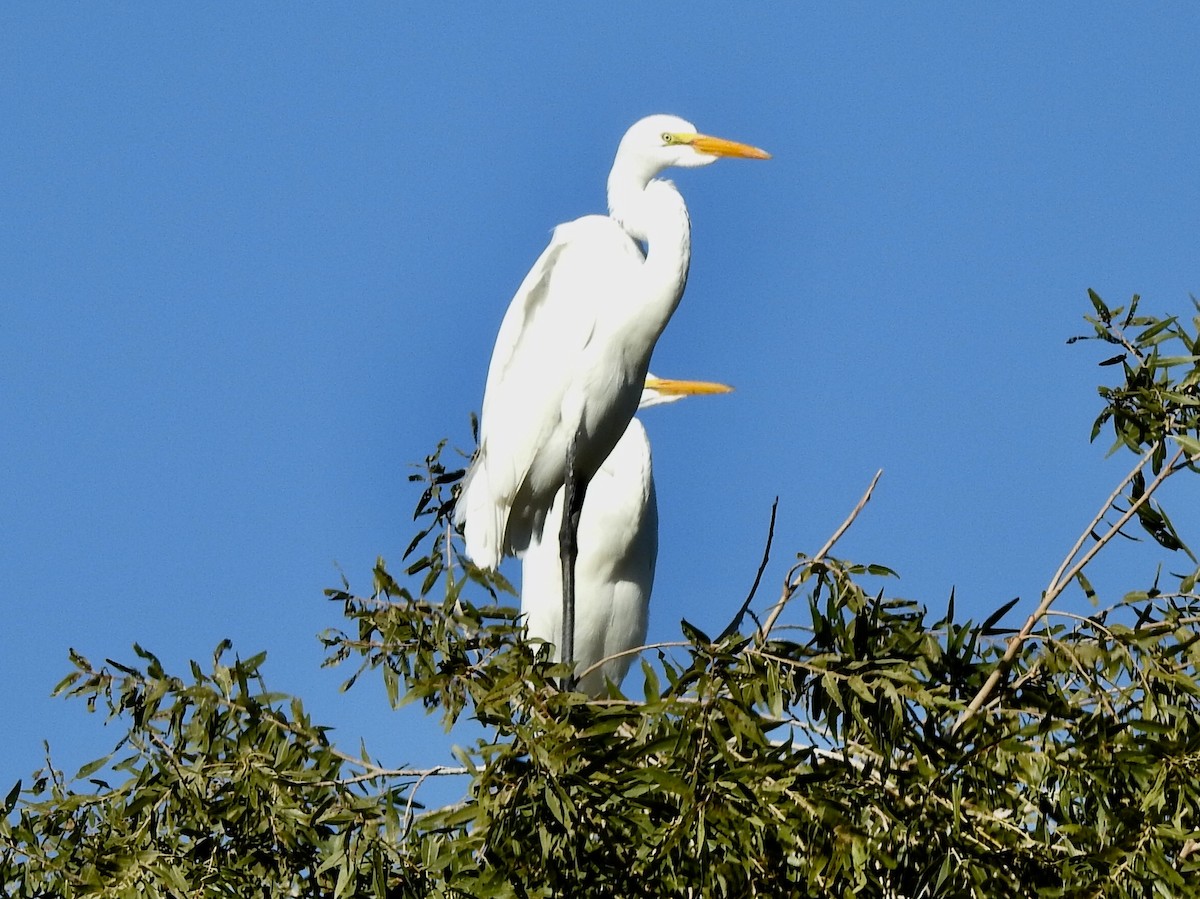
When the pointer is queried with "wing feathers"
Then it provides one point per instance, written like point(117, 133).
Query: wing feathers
point(539, 354)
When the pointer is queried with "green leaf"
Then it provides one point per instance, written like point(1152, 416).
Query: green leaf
point(1191, 445)
point(989, 624)
point(1086, 585)
point(693, 633)
point(10, 800)
point(92, 767)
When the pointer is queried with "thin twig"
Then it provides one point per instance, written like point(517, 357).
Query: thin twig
point(1089, 531)
point(1060, 580)
point(637, 650)
point(736, 623)
point(845, 526)
point(380, 773)
point(412, 793)
point(789, 586)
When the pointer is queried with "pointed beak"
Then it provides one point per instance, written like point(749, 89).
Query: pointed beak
point(671, 387)
point(718, 146)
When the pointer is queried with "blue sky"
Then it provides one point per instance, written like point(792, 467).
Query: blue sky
point(254, 259)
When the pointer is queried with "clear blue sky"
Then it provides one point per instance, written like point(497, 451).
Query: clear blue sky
point(254, 258)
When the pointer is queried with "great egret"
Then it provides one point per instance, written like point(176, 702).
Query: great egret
point(572, 352)
point(618, 545)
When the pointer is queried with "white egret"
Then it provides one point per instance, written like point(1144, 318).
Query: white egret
point(571, 356)
point(618, 546)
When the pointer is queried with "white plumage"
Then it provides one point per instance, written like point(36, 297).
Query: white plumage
point(572, 352)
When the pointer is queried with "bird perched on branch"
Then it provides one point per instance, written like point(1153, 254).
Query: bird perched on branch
point(572, 353)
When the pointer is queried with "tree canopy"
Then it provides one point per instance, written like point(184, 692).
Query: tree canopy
point(834, 740)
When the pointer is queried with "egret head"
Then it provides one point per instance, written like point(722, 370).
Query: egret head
point(671, 141)
point(661, 141)
point(665, 390)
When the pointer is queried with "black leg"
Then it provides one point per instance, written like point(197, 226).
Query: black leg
point(574, 489)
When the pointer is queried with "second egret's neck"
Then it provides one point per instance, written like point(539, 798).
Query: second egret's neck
point(653, 212)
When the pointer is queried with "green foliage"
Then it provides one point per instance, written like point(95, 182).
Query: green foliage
point(224, 789)
point(857, 748)
point(1160, 398)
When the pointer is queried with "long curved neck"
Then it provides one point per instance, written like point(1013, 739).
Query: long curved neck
point(653, 212)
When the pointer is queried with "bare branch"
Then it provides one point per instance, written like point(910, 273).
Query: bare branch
point(790, 585)
point(1061, 580)
point(736, 623)
point(439, 771)
point(1090, 530)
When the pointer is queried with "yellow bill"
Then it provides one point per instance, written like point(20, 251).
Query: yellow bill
point(673, 387)
point(718, 146)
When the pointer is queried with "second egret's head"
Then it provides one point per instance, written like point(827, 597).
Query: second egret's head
point(665, 390)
